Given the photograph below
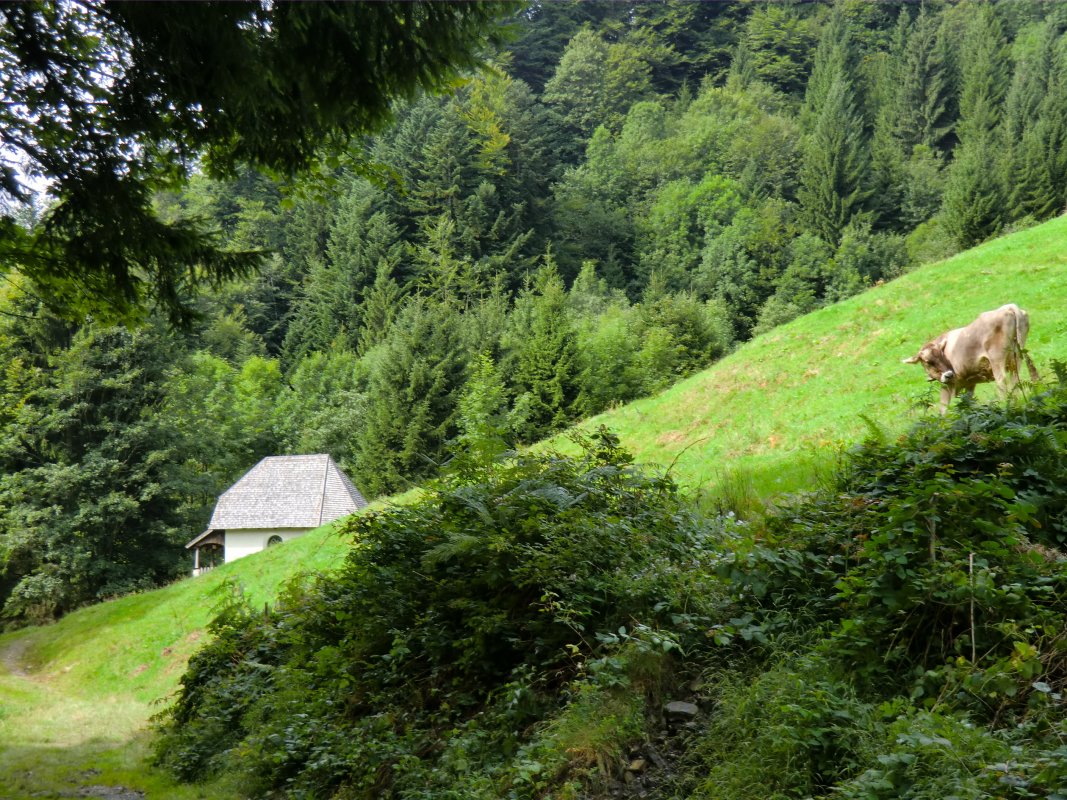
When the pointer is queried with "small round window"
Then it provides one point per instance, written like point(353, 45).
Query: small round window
point(273, 540)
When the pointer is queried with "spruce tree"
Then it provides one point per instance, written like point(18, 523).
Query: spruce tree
point(780, 42)
point(834, 59)
point(380, 307)
point(833, 178)
point(923, 104)
point(974, 201)
point(542, 356)
point(329, 304)
point(95, 489)
point(1033, 129)
point(984, 75)
point(482, 412)
point(834, 171)
point(1044, 173)
point(413, 388)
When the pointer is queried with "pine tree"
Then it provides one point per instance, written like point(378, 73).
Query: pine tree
point(974, 200)
point(325, 311)
point(137, 95)
point(542, 356)
point(413, 388)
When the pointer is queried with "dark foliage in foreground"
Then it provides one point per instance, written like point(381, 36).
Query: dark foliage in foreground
point(929, 587)
point(900, 634)
point(477, 605)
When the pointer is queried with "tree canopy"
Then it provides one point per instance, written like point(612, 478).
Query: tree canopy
point(107, 103)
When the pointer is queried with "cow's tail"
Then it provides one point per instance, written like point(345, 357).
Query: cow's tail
point(1034, 377)
point(1022, 329)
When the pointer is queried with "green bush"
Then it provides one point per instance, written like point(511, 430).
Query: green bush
point(901, 633)
point(793, 731)
point(537, 586)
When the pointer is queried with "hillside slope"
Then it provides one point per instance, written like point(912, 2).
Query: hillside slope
point(768, 412)
point(75, 696)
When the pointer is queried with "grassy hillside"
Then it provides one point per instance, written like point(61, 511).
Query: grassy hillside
point(768, 413)
point(75, 696)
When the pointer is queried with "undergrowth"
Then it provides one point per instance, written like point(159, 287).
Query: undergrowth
point(899, 633)
point(500, 638)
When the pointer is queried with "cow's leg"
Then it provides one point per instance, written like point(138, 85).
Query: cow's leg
point(947, 393)
point(1006, 375)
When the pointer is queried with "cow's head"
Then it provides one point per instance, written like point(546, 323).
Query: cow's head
point(937, 366)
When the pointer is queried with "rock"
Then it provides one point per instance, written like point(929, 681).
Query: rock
point(111, 793)
point(637, 766)
point(680, 710)
point(657, 759)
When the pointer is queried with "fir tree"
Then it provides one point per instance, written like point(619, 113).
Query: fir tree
point(542, 356)
point(413, 389)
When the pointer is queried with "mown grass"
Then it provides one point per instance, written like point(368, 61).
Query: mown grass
point(75, 697)
point(770, 418)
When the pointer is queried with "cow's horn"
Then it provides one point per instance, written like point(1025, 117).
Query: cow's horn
point(912, 360)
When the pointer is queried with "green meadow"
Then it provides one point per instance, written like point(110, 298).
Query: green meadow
point(76, 697)
point(770, 417)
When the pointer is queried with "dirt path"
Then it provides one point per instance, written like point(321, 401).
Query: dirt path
point(82, 784)
point(13, 658)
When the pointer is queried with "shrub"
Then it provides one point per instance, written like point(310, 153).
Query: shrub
point(451, 630)
point(793, 731)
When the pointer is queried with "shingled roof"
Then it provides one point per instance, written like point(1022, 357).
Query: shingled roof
point(286, 492)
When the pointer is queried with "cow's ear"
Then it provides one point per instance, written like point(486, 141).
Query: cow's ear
point(912, 360)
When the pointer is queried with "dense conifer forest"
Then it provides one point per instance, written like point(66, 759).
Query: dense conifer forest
point(621, 196)
point(535, 224)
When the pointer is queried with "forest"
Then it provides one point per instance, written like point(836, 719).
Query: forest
point(615, 200)
point(426, 237)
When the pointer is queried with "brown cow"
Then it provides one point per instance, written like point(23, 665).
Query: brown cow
point(988, 349)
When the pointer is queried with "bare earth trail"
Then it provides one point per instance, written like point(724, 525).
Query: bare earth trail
point(19, 680)
point(13, 657)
